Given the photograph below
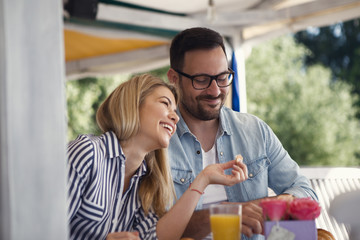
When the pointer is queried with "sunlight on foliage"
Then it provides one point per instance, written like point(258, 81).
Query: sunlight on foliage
point(83, 98)
point(313, 118)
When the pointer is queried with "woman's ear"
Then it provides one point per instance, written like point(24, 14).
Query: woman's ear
point(172, 76)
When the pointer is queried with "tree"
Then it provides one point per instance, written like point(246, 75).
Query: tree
point(337, 47)
point(84, 96)
point(312, 116)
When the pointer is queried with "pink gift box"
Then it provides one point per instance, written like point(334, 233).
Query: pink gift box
point(302, 229)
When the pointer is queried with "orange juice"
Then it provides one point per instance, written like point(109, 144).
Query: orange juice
point(225, 226)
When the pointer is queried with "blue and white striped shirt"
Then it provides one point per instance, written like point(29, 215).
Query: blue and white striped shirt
point(97, 207)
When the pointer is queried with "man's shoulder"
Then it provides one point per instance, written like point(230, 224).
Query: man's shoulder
point(228, 114)
point(232, 122)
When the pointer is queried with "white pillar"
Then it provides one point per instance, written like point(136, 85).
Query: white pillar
point(32, 121)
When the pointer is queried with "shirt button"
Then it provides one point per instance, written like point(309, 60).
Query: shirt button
point(182, 180)
point(221, 153)
point(198, 152)
point(251, 175)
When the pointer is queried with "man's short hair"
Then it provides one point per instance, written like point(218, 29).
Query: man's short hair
point(193, 39)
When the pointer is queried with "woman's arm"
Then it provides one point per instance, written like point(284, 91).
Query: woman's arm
point(173, 223)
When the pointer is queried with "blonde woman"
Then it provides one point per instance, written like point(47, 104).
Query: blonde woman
point(119, 183)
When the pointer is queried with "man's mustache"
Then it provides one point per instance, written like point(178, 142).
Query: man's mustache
point(210, 97)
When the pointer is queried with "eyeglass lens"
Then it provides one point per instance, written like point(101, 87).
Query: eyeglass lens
point(204, 81)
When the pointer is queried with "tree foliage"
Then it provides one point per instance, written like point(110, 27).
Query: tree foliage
point(337, 47)
point(84, 96)
point(313, 118)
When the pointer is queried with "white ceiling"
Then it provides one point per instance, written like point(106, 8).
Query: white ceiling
point(250, 22)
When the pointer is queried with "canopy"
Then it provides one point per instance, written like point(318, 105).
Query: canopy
point(111, 36)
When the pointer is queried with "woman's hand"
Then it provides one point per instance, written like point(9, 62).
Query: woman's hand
point(123, 236)
point(216, 172)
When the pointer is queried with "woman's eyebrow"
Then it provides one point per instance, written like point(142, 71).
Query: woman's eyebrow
point(169, 100)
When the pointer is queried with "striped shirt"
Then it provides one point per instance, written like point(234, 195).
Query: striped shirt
point(96, 203)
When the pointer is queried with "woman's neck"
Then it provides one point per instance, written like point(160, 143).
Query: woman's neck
point(134, 157)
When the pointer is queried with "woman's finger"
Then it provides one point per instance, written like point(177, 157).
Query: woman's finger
point(240, 170)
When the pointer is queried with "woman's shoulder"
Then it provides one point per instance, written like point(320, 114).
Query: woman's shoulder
point(91, 139)
point(83, 148)
point(82, 141)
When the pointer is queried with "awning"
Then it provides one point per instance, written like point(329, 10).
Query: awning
point(111, 36)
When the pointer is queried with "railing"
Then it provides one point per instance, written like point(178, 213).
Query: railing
point(329, 183)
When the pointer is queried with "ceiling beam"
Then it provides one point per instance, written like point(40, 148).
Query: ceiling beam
point(144, 18)
point(119, 62)
point(256, 34)
point(254, 17)
point(137, 17)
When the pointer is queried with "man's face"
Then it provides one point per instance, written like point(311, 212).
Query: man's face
point(203, 104)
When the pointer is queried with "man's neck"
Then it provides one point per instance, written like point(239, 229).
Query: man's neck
point(205, 131)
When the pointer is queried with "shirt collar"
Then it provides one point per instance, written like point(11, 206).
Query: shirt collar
point(224, 125)
point(182, 128)
point(112, 145)
point(142, 170)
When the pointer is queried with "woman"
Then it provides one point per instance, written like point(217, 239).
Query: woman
point(119, 183)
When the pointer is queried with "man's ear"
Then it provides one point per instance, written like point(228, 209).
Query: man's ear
point(172, 76)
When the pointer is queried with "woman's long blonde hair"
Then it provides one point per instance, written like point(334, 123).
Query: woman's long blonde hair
point(120, 113)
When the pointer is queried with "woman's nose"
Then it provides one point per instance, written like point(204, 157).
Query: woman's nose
point(174, 117)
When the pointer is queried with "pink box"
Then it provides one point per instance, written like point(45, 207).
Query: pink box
point(302, 229)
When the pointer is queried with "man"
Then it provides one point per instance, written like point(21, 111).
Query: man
point(208, 132)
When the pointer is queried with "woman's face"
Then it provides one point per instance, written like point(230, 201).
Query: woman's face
point(158, 118)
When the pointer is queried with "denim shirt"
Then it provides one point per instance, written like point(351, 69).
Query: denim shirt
point(269, 165)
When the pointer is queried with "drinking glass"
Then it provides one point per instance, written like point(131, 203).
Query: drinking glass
point(225, 221)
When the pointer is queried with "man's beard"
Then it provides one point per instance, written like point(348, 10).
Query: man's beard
point(197, 111)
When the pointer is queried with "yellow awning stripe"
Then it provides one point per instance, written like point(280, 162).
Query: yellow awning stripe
point(79, 46)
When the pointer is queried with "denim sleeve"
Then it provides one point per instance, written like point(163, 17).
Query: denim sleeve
point(283, 171)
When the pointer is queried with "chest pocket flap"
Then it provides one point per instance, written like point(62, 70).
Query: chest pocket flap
point(257, 166)
point(181, 177)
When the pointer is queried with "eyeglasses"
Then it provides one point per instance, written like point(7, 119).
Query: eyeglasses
point(203, 81)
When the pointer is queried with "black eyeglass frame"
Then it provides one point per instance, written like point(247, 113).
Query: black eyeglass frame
point(212, 77)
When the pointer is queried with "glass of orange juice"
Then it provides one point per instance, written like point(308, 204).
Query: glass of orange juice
point(225, 221)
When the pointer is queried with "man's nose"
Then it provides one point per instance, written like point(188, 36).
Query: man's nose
point(213, 89)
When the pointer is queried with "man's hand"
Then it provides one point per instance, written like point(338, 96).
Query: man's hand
point(252, 219)
point(252, 216)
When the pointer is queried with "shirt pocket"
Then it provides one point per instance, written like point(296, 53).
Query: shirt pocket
point(91, 210)
point(257, 168)
point(182, 180)
point(182, 177)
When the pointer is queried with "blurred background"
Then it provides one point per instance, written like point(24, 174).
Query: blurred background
point(297, 67)
point(305, 84)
